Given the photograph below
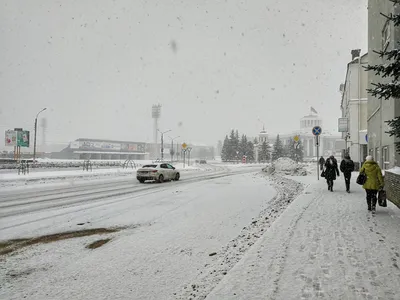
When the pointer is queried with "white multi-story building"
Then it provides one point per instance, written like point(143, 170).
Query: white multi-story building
point(354, 107)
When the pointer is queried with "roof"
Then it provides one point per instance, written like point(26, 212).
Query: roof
point(311, 116)
point(107, 141)
point(102, 152)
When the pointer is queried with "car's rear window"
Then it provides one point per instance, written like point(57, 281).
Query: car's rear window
point(150, 166)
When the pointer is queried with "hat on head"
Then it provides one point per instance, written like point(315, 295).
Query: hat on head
point(369, 158)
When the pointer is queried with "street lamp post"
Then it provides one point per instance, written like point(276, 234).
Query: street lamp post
point(34, 142)
point(162, 143)
point(172, 147)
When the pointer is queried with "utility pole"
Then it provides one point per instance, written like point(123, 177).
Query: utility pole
point(189, 150)
point(34, 142)
point(172, 147)
point(162, 143)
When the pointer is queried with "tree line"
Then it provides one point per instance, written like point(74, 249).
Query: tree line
point(235, 147)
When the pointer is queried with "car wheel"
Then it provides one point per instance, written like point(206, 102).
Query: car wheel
point(142, 180)
point(161, 179)
point(177, 176)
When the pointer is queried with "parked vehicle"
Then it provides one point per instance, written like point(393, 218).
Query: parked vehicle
point(158, 172)
point(203, 162)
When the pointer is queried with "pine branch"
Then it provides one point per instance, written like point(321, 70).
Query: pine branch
point(385, 90)
point(395, 130)
point(387, 70)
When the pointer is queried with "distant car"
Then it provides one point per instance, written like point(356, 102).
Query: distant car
point(203, 162)
point(157, 172)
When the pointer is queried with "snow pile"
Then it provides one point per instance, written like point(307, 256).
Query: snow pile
point(286, 166)
point(395, 170)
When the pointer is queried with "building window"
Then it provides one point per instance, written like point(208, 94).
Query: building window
point(385, 156)
point(386, 35)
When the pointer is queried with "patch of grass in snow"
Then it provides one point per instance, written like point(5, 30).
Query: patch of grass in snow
point(98, 244)
point(10, 246)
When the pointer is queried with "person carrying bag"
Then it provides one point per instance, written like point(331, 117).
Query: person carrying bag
point(373, 181)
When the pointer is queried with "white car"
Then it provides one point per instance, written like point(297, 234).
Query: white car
point(159, 172)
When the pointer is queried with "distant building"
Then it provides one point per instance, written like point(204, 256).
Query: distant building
point(103, 149)
point(262, 137)
point(381, 35)
point(307, 139)
point(354, 107)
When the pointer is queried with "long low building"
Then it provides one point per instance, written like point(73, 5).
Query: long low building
point(103, 149)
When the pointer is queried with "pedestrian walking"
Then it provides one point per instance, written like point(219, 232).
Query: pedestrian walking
point(331, 170)
point(321, 163)
point(347, 166)
point(374, 181)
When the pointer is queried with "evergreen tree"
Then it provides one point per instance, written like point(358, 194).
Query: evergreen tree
point(299, 152)
point(278, 149)
point(294, 150)
point(236, 144)
point(265, 153)
point(243, 146)
point(219, 147)
point(225, 149)
point(250, 152)
point(389, 69)
point(233, 145)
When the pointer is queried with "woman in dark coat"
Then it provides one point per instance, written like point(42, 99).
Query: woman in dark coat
point(331, 170)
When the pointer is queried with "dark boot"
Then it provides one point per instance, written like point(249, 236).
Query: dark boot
point(369, 204)
point(374, 200)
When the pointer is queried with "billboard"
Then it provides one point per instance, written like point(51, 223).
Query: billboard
point(23, 138)
point(99, 145)
point(11, 138)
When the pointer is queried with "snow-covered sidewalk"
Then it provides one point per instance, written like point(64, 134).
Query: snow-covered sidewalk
point(325, 245)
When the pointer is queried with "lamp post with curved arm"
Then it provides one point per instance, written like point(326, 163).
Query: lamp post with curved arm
point(34, 143)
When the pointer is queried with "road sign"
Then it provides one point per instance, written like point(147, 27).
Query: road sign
point(296, 138)
point(343, 124)
point(184, 146)
point(366, 138)
point(317, 130)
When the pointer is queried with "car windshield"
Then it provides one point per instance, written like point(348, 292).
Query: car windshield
point(200, 149)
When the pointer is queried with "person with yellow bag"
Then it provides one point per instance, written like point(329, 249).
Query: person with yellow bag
point(374, 181)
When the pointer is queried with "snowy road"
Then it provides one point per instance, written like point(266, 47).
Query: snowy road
point(44, 204)
point(170, 231)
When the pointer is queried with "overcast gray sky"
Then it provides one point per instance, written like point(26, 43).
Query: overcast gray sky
point(98, 66)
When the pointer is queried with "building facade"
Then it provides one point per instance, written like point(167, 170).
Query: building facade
point(354, 106)
point(327, 140)
point(381, 35)
point(96, 149)
point(262, 137)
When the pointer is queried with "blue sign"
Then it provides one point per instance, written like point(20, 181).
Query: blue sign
point(316, 130)
point(366, 138)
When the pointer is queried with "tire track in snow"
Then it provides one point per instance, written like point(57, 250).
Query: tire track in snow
point(230, 255)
